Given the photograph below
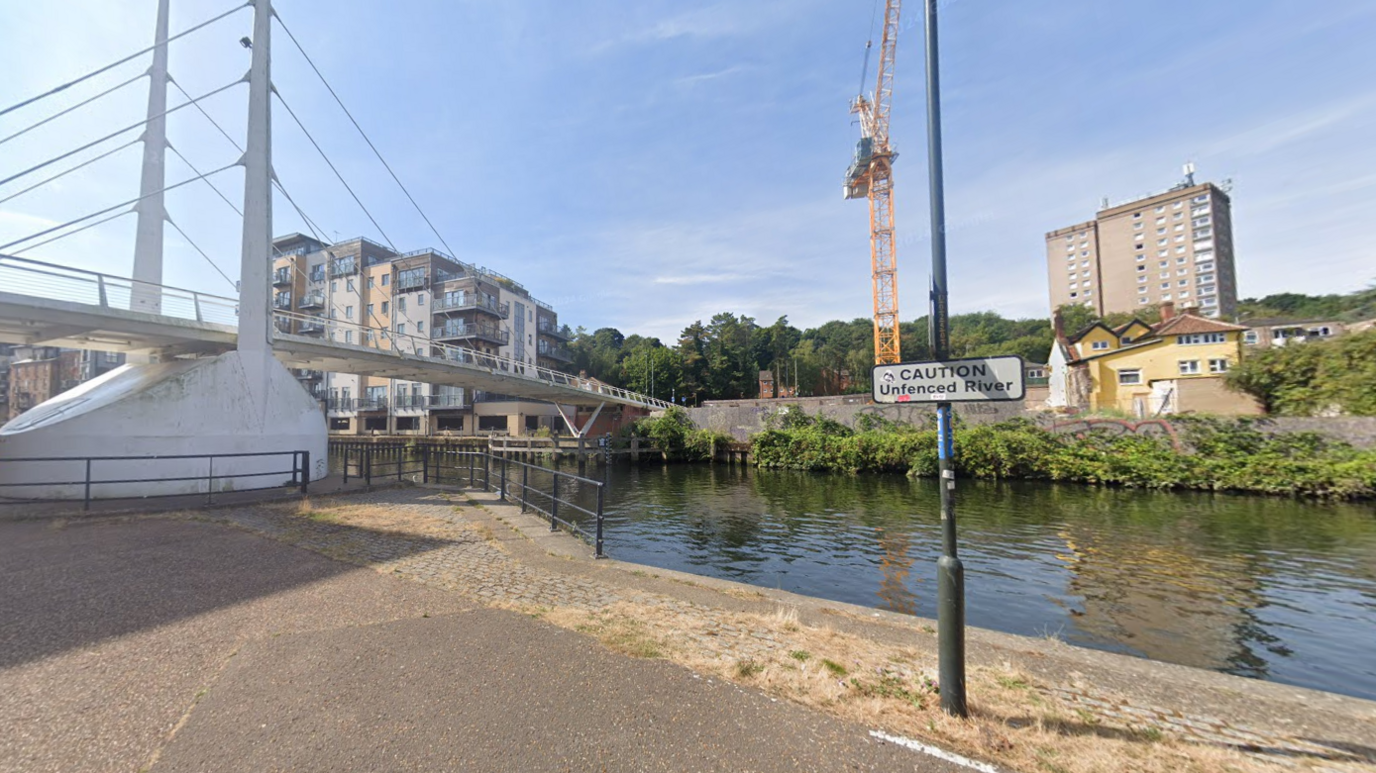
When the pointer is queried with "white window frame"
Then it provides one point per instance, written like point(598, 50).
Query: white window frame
point(1129, 376)
point(1218, 364)
point(1188, 367)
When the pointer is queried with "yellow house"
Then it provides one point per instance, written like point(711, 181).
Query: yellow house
point(1146, 370)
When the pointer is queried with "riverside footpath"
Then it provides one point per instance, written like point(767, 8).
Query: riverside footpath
point(428, 629)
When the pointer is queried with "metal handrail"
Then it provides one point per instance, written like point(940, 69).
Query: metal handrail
point(36, 278)
point(477, 300)
point(405, 344)
point(62, 283)
point(300, 472)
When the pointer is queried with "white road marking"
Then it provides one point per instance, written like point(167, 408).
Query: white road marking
point(941, 754)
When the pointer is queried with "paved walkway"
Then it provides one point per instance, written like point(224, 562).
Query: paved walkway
point(189, 645)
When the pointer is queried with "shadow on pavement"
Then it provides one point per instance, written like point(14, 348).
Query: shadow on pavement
point(68, 585)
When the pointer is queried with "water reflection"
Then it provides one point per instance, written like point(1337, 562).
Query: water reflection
point(1260, 587)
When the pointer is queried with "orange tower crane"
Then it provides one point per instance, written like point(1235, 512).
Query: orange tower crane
point(871, 175)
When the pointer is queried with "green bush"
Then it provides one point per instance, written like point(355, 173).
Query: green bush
point(1220, 455)
point(674, 435)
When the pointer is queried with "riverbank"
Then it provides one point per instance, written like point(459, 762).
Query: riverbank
point(1038, 704)
point(1208, 454)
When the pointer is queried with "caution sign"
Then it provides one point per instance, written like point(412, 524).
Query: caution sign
point(950, 381)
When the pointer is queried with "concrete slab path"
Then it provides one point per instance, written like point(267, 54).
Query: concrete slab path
point(179, 645)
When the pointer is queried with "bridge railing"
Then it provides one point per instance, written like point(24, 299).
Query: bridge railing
point(61, 283)
point(348, 333)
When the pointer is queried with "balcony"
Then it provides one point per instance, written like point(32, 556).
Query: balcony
point(370, 404)
point(554, 331)
point(339, 404)
point(410, 281)
point(311, 328)
point(470, 301)
point(282, 301)
point(306, 374)
point(343, 267)
point(318, 273)
point(312, 300)
point(447, 401)
point(281, 276)
point(462, 332)
point(554, 352)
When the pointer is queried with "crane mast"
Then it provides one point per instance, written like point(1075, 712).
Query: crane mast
point(871, 175)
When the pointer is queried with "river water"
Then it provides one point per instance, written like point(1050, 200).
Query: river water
point(1268, 588)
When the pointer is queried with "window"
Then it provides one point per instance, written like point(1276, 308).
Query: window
point(1130, 376)
point(370, 283)
point(1161, 230)
point(1088, 292)
point(1162, 253)
point(1184, 293)
point(1161, 209)
point(1084, 273)
point(1141, 280)
point(1160, 220)
point(1208, 301)
point(421, 299)
point(1070, 237)
point(349, 285)
point(386, 279)
point(1184, 283)
point(1200, 338)
point(1201, 199)
point(368, 311)
point(1163, 263)
point(1141, 268)
point(1200, 222)
point(1206, 277)
point(1182, 271)
point(1204, 267)
point(401, 305)
point(348, 336)
point(401, 328)
point(1136, 215)
point(1249, 337)
point(1180, 227)
point(385, 304)
point(420, 327)
point(1165, 285)
point(1144, 301)
point(1180, 238)
point(348, 312)
point(1084, 264)
point(1218, 366)
point(1161, 242)
point(1189, 367)
point(334, 285)
point(1181, 261)
point(1207, 288)
point(1099, 346)
point(1165, 296)
point(1179, 215)
point(1141, 258)
point(1074, 295)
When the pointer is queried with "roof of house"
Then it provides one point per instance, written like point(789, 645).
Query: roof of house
point(1189, 323)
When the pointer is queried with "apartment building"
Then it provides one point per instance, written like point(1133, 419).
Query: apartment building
point(31, 375)
point(362, 293)
point(1175, 246)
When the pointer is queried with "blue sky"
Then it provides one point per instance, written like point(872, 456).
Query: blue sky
point(643, 165)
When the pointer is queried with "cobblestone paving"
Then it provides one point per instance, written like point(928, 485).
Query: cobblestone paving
point(463, 558)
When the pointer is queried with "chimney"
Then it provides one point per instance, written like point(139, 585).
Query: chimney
point(1191, 310)
point(1057, 324)
point(1167, 310)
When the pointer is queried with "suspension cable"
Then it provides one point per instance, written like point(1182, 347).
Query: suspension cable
point(188, 239)
point(117, 133)
point(112, 65)
point(82, 103)
point(313, 227)
point(212, 185)
point(358, 201)
point(87, 162)
point(362, 133)
point(75, 231)
point(115, 207)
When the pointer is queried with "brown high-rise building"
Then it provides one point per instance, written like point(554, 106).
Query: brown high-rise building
point(1175, 246)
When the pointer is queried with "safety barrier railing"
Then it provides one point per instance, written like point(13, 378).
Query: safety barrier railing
point(48, 280)
point(347, 333)
point(514, 481)
point(85, 478)
point(61, 283)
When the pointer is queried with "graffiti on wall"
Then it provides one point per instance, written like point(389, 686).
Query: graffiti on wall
point(1118, 427)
